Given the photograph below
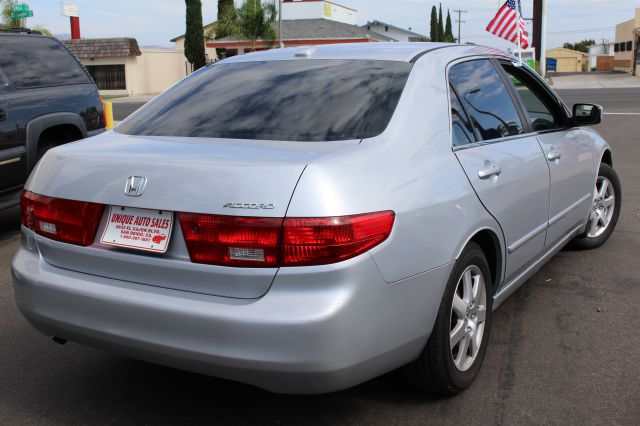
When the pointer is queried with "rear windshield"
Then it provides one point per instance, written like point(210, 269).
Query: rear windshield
point(301, 100)
point(29, 61)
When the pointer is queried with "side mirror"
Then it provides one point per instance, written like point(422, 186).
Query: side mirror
point(587, 114)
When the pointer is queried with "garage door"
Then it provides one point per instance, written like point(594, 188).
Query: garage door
point(567, 64)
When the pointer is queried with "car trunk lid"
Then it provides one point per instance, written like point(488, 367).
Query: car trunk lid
point(196, 175)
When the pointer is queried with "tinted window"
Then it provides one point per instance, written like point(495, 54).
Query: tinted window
point(461, 130)
point(38, 61)
point(301, 100)
point(543, 111)
point(486, 99)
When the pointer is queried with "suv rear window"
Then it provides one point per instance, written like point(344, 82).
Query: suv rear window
point(29, 61)
point(300, 100)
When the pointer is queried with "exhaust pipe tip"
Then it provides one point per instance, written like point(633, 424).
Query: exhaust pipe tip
point(59, 340)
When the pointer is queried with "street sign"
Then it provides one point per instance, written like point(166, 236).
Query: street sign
point(21, 7)
point(69, 9)
point(21, 14)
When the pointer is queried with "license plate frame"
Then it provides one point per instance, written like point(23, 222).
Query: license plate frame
point(138, 229)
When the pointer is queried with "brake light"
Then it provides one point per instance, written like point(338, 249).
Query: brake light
point(320, 241)
point(231, 240)
point(272, 242)
point(74, 222)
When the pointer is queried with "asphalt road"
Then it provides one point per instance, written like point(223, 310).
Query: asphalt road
point(564, 350)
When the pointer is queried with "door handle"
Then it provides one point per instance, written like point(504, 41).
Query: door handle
point(553, 155)
point(489, 170)
point(573, 134)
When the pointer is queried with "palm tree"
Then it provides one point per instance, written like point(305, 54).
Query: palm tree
point(251, 22)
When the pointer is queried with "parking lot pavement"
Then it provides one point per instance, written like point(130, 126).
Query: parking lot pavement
point(563, 350)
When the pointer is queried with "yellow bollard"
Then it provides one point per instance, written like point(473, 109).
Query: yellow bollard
point(108, 115)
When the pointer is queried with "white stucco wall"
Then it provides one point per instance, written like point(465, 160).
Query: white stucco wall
point(392, 32)
point(152, 72)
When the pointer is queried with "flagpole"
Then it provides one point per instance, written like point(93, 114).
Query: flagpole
point(519, 32)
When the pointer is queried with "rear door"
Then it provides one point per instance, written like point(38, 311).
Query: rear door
point(505, 165)
point(568, 152)
point(12, 153)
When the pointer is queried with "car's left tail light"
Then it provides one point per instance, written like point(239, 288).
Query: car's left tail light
point(73, 222)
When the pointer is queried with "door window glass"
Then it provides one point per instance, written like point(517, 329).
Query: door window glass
point(486, 99)
point(461, 130)
point(541, 108)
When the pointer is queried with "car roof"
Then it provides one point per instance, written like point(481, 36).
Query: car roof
point(388, 51)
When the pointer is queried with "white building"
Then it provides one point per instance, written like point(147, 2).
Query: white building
point(603, 49)
point(119, 67)
point(318, 9)
point(396, 33)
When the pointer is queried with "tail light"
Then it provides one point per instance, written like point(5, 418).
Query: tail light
point(270, 242)
point(74, 222)
point(231, 240)
point(320, 241)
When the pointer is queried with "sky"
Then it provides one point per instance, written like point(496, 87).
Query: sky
point(155, 22)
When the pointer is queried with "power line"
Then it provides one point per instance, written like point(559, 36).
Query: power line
point(459, 21)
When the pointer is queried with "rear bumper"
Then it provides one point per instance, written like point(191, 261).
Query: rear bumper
point(317, 330)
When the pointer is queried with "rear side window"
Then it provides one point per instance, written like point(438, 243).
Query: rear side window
point(38, 61)
point(486, 99)
point(299, 100)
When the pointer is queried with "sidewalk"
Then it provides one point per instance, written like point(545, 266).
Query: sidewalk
point(135, 99)
point(594, 80)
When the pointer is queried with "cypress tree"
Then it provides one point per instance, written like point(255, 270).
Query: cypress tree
point(194, 35)
point(223, 5)
point(440, 25)
point(434, 24)
point(226, 12)
point(448, 31)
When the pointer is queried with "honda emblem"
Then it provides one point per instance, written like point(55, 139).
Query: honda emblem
point(135, 186)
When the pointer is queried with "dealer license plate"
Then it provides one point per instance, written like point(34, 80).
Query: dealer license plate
point(139, 229)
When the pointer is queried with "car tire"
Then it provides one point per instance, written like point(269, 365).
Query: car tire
point(441, 369)
point(605, 210)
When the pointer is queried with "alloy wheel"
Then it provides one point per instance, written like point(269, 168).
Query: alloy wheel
point(604, 203)
point(468, 315)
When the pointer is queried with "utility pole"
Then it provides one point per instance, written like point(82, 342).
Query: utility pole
point(459, 21)
point(280, 23)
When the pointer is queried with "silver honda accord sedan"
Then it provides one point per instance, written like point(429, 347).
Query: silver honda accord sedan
point(307, 219)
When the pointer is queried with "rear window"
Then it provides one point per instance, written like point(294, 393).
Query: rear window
point(301, 100)
point(38, 61)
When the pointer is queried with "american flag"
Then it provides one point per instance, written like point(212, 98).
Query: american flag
point(505, 24)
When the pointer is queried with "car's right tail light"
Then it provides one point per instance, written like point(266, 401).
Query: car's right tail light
point(320, 241)
point(272, 242)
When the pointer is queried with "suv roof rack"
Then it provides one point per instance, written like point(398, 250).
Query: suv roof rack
point(19, 30)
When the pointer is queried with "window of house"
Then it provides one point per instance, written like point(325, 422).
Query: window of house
point(629, 46)
point(486, 99)
point(623, 46)
point(108, 77)
point(616, 47)
point(386, 28)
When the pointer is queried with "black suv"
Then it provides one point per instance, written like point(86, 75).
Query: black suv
point(47, 98)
